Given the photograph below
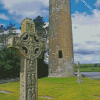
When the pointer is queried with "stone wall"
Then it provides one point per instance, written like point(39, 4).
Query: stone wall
point(8, 80)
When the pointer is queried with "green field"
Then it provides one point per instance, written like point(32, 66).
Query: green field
point(59, 88)
point(88, 68)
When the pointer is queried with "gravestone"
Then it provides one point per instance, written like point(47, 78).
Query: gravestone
point(79, 76)
point(29, 47)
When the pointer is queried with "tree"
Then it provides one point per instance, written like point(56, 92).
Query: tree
point(11, 29)
point(9, 63)
point(2, 28)
point(41, 31)
point(39, 23)
point(95, 65)
point(2, 35)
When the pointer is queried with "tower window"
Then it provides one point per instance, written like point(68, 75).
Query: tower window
point(60, 54)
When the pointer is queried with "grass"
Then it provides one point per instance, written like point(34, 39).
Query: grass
point(88, 68)
point(59, 88)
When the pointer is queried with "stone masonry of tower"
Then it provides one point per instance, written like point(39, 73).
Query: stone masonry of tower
point(61, 59)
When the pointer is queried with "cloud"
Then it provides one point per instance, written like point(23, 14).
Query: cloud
point(20, 9)
point(97, 4)
point(85, 28)
point(2, 24)
point(87, 59)
point(86, 42)
point(47, 23)
point(86, 37)
point(84, 51)
point(3, 16)
point(15, 31)
point(18, 31)
point(76, 1)
point(92, 43)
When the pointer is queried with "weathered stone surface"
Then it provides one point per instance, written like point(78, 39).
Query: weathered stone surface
point(61, 43)
point(29, 47)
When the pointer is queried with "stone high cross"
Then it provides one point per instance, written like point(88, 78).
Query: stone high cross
point(79, 76)
point(29, 47)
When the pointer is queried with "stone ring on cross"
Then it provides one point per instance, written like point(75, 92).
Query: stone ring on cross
point(30, 45)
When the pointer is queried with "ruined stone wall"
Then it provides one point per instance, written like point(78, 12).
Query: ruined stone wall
point(60, 39)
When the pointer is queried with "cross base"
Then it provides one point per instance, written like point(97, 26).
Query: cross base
point(79, 78)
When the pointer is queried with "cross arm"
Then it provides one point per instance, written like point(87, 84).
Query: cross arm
point(13, 42)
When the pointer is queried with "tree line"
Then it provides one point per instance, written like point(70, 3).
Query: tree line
point(11, 30)
point(9, 59)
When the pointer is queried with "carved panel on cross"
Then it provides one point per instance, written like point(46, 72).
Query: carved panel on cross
point(31, 66)
point(31, 94)
point(31, 86)
point(31, 80)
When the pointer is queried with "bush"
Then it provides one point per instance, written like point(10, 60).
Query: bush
point(9, 63)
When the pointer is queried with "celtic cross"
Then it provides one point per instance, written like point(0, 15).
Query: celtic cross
point(29, 47)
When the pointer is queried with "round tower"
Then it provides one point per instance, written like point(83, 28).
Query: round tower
point(61, 60)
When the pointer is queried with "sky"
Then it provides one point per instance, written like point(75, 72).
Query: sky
point(85, 16)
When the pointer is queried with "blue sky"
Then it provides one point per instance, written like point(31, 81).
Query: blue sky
point(85, 15)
